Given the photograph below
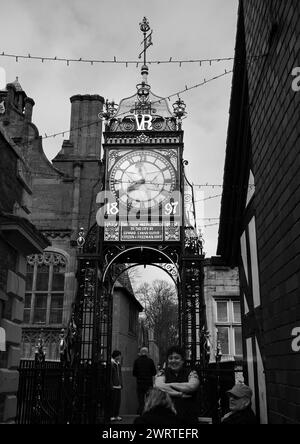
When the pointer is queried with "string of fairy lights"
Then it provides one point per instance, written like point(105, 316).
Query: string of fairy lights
point(113, 60)
point(177, 94)
point(226, 188)
point(126, 62)
point(48, 210)
point(81, 219)
point(66, 213)
point(97, 122)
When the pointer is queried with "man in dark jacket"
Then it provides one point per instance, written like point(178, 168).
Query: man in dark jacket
point(240, 406)
point(144, 370)
point(116, 385)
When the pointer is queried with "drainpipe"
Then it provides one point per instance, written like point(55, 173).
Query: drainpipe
point(77, 166)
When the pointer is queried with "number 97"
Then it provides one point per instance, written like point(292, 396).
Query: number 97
point(171, 208)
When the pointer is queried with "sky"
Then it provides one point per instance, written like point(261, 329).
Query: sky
point(193, 29)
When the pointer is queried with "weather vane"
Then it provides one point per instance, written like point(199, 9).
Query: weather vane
point(143, 88)
point(144, 27)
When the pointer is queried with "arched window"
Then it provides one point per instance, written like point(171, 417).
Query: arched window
point(45, 281)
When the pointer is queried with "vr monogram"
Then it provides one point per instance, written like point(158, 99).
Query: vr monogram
point(142, 121)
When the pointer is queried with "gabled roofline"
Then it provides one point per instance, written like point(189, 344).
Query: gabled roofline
point(130, 296)
point(237, 154)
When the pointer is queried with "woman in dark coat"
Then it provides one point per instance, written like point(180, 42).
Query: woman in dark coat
point(159, 410)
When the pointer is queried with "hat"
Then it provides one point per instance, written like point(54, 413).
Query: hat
point(116, 353)
point(241, 391)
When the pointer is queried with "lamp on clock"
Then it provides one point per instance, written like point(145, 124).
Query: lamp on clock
point(110, 109)
point(179, 110)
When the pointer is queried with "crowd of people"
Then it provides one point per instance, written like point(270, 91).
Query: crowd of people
point(169, 395)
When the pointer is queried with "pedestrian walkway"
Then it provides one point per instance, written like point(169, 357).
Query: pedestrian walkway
point(129, 419)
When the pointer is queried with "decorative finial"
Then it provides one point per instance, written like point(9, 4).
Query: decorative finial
point(81, 239)
point(193, 242)
point(201, 242)
point(39, 349)
point(110, 110)
point(219, 353)
point(144, 25)
point(62, 344)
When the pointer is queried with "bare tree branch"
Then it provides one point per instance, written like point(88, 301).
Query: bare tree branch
point(161, 309)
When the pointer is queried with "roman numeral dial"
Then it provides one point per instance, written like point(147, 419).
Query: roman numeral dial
point(143, 178)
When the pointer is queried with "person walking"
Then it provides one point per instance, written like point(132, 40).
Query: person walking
point(116, 385)
point(144, 370)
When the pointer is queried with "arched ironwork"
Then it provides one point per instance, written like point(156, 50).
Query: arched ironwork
point(167, 268)
point(126, 251)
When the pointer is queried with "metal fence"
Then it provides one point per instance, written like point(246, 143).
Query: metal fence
point(53, 393)
point(42, 389)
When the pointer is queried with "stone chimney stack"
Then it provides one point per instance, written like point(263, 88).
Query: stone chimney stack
point(86, 126)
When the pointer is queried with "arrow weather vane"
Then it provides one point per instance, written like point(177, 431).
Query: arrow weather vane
point(144, 27)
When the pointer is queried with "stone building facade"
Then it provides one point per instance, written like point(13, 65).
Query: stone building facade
point(222, 300)
point(259, 229)
point(18, 238)
point(63, 199)
point(64, 194)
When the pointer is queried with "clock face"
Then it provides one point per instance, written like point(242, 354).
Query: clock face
point(142, 179)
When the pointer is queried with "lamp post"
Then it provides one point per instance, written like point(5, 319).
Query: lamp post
point(179, 111)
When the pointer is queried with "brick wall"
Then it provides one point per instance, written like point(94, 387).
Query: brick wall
point(272, 27)
point(14, 192)
point(12, 287)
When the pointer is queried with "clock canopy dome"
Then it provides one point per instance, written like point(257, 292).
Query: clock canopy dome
point(144, 102)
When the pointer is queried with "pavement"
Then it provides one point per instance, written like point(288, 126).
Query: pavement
point(127, 419)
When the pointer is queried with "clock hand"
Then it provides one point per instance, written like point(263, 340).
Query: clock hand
point(130, 174)
point(136, 185)
point(151, 182)
point(123, 182)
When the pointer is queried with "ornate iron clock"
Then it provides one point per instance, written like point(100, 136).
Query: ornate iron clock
point(145, 201)
point(143, 176)
point(144, 179)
